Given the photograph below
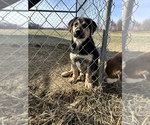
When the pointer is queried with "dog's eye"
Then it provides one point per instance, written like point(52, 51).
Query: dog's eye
point(76, 24)
point(84, 26)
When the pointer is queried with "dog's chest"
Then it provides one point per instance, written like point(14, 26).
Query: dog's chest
point(78, 42)
point(80, 59)
point(76, 46)
point(82, 48)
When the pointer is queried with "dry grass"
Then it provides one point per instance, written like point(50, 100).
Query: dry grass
point(74, 107)
point(136, 103)
point(53, 101)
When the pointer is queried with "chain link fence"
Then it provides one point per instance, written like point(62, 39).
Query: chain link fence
point(132, 24)
point(49, 48)
point(135, 96)
point(50, 26)
point(13, 62)
point(35, 47)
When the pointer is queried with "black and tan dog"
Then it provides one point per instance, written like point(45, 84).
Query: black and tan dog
point(84, 55)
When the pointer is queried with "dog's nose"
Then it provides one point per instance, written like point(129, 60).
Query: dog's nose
point(78, 32)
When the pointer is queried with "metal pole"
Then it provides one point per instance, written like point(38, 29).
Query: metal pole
point(105, 37)
point(127, 13)
point(76, 7)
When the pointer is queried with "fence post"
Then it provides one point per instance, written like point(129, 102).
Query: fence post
point(105, 37)
point(76, 8)
point(127, 13)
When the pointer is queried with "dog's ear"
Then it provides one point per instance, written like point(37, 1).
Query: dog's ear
point(70, 24)
point(93, 26)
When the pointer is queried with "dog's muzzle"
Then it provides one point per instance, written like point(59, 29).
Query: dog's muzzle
point(79, 34)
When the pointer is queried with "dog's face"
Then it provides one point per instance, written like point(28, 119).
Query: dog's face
point(82, 28)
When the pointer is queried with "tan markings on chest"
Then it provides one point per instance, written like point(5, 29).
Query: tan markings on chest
point(88, 57)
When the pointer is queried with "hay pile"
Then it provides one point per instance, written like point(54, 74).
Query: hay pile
point(136, 104)
point(53, 101)
point(74, 107)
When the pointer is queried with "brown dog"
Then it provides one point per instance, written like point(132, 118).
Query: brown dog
point(84, 55)
point(138, 69)
point(113, 69)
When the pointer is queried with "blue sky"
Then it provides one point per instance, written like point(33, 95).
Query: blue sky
point(61, 19)
point(142, 11)
point(56, 4)
point(117, 10)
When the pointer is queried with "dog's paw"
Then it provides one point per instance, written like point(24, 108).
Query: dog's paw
point(88, 85)
point(110, 81)
point(81, 78)
point(66, 74)
point(72, 80)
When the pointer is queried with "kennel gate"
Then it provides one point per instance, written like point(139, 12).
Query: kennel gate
point(98, 10)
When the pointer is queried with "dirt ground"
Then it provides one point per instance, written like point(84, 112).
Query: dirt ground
point(54, 101)
point(13, 80)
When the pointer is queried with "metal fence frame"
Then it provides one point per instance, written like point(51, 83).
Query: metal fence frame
point(105, 38)
point(127, 14)
point(105, 30)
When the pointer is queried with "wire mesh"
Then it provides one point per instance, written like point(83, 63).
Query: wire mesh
point(135, 96)
point(49, 56)
point(59, 26)
point(35, 37)
point(13, 63)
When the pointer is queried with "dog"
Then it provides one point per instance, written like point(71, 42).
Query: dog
point(137, 69)
point(84, 54)
point(113, 69)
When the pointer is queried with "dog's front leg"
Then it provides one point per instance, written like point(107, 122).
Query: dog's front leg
point(88, 79)
point(74, 77)
point(67, 73)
